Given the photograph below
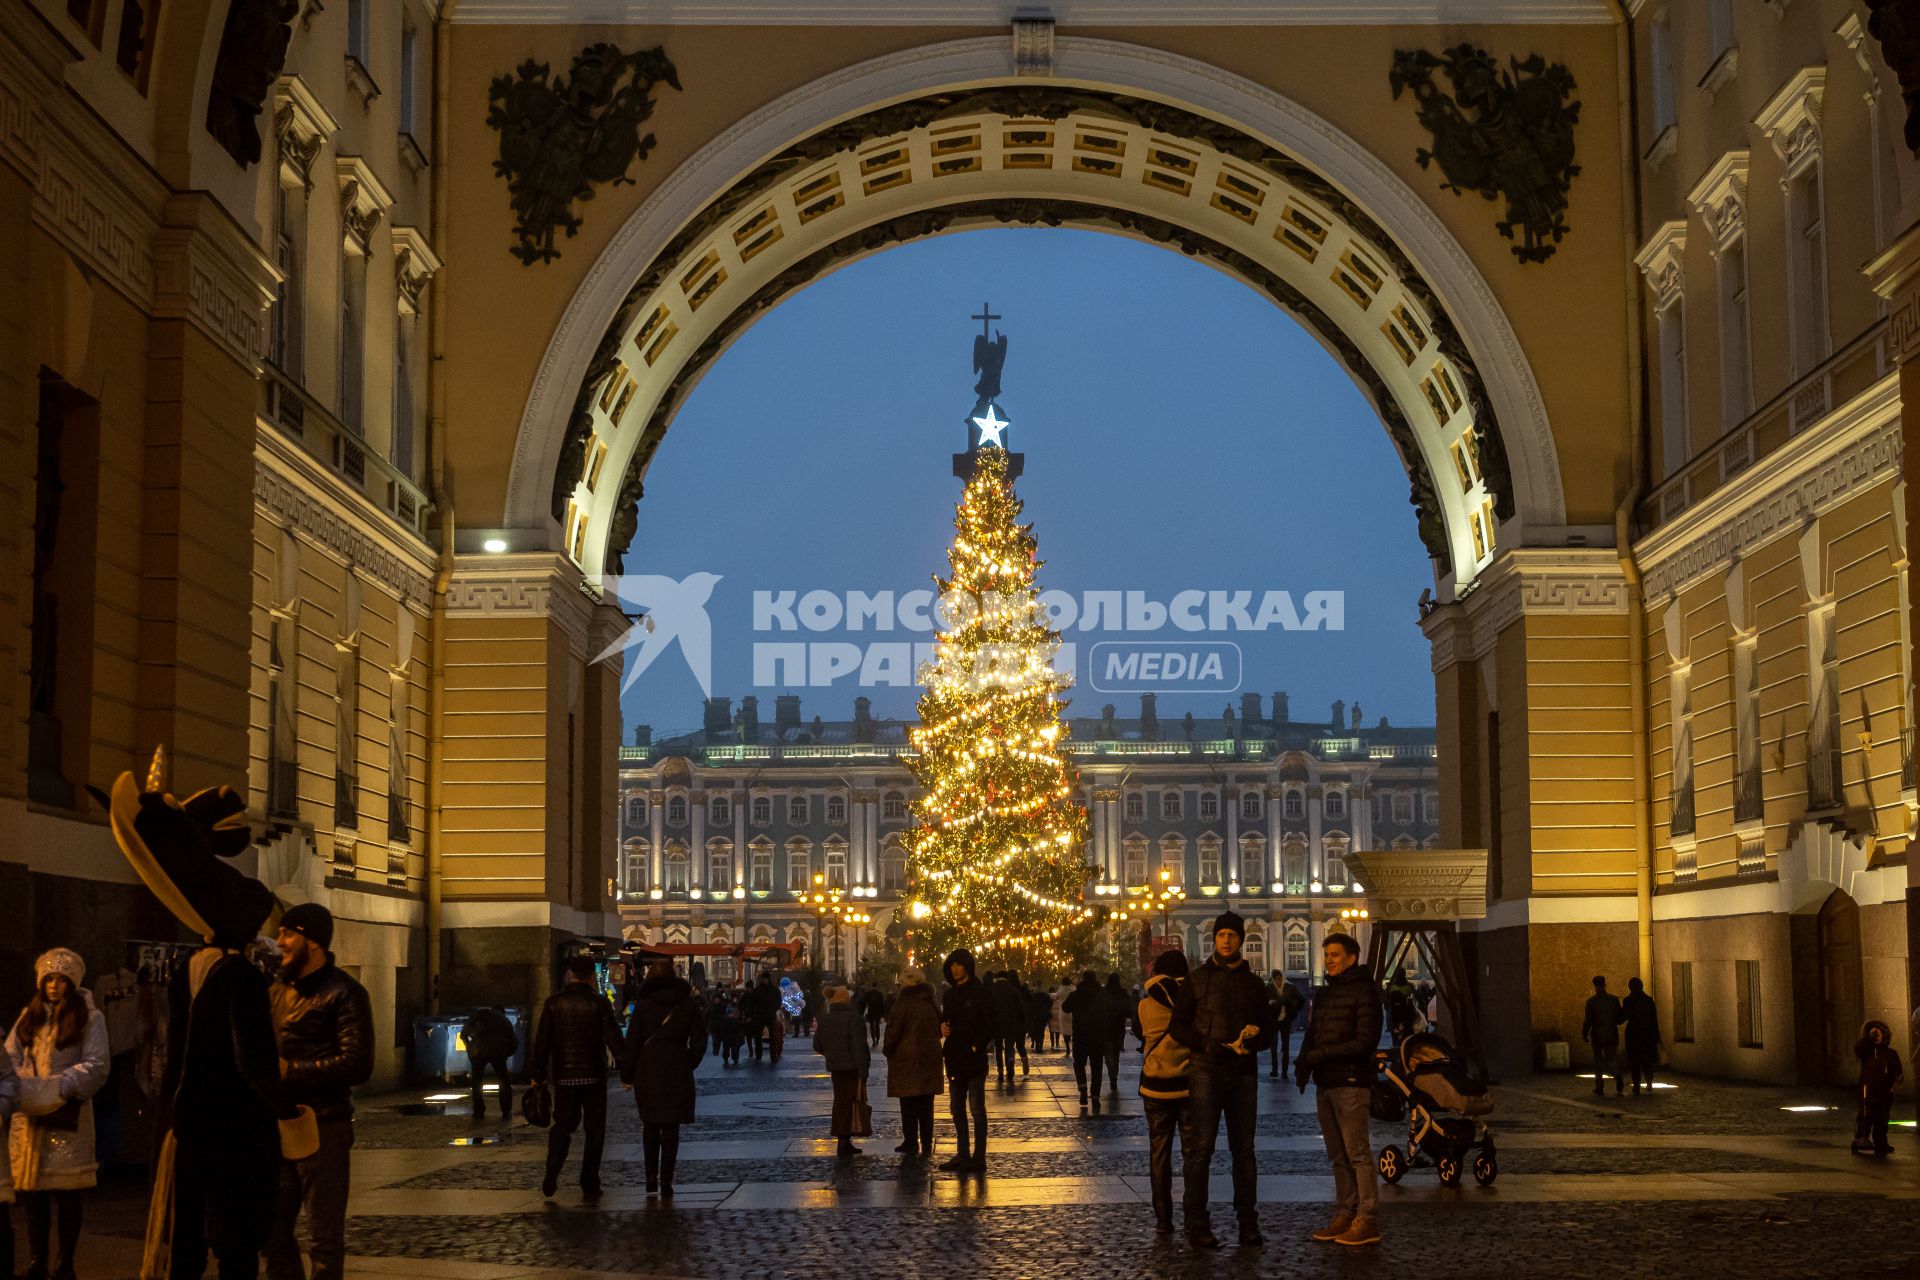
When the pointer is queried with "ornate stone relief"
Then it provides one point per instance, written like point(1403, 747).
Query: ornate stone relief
point(1720, 198)
point(1505, 132)
point(301, 126)
point(1791, 120)
point(1663, 262)
point(363, 202)
point(414, 263)
point(560, 138)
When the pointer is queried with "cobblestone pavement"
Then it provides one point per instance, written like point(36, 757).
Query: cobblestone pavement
point(1701, 1178)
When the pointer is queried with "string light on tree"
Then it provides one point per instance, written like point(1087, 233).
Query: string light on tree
point(997, 850)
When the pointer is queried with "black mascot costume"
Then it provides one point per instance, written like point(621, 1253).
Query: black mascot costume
point(218, 1170)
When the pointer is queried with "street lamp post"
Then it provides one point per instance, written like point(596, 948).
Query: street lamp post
point(829, 902)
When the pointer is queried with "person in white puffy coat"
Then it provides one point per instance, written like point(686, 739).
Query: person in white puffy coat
point(58, 1047)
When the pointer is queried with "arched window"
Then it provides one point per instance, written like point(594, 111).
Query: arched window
point(719, 866)
point(799, 865)
point(1133, 853)
point(836, 851)
point(893, 866)
point(1135, 806)
point(796, 810)
point(1209, 806)
point(636, 811)
point(676, 810)
point(1333, 802)
point(1250, 803)
point(1210, 860)
point(1253, 859)
point(1431, 804)
point(893, 806)
point(836, 808)
point(637, 857)
point(1293, 804)
point(760, 811)
point(1403, 806)
point(1170, 806)
point(1333, 864)
point(1296, 947)
point(760, 854)
point(676, 867)
point(1253, 949)
point(720, 811)
point(1293, 859)
point(1173, 857)
point(761, 933)
point(724, 967)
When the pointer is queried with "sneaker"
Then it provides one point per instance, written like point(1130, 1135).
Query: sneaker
point(1335, 1229)
point(1361, 1232)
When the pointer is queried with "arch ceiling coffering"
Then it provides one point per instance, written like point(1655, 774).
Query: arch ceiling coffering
point(1053, 155)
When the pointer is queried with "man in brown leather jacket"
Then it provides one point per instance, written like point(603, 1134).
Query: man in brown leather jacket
point(577, 1037)
point(324, 1025)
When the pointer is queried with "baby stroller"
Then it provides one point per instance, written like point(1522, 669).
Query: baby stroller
point(1423, 1078)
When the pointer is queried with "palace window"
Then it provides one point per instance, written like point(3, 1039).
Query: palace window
point(1173, 857)
point(676, 811)
point(796, 810)
point(1253, 859)
point(893, 869)
point(1134, 807)
point(761, 853)
point(1296, 958)
point(351, 391)
point(799, 866)
point(676, 867)
point(637, 855)
point(1133, 852)
point(719, 866)
point(1334, 803)
point(836, 864)
point(893, 806)
point(1334, 859)
point(760, 812)
point(1209, 806)
point(836, 808)
point(1250, 804)
point(1807, 270)
point(1170, 808)
point(1253, 948)
point(1293, 804)
point(1736, 337)
point(1675, 444)
point(636, 811)
point(720, 811)
point(1210, 860)
point(1403, 806)
point(1432, 805)
point(1293, 856)
point(1746, 993)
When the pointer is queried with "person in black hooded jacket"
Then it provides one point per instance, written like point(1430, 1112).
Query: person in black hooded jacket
point(665, 1043)
point(967, 1027)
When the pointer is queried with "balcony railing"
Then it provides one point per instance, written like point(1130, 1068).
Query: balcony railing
point(286, 405)
point(1749, 797)
point(1681, 822)
point(1824, 789)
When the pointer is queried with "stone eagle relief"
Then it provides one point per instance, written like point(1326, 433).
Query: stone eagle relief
point(1504, 132)
point(560, 138)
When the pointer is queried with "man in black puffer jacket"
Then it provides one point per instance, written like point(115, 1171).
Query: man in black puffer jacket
point(578, 1036)
point(1338, 1052)
point(1223, 1017)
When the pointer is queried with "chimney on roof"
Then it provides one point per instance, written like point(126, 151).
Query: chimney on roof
point(719, 717)
point(786, 712)
point(1280, 708)
point(1107, 731)
point(1149, 718)
point(1339, 713)
point(643, 735)
point(1249, 707)
point(863, 719)
point(749, 720)
point(1356, 715)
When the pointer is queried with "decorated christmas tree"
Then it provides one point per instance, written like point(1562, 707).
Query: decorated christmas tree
point(997, 852)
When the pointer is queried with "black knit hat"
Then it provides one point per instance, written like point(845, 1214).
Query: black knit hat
point(1228, 920)
point(311, 921)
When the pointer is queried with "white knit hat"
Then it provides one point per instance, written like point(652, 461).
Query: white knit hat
point(60, 960)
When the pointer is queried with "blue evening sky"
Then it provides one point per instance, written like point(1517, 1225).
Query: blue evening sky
point(1180, 432)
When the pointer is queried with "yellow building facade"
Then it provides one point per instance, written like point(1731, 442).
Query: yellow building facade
point(330, 380)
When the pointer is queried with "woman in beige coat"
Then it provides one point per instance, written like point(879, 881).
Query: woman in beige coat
point(59, 1049)
point(912, 1047)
